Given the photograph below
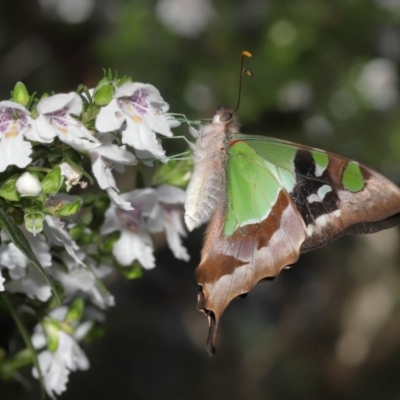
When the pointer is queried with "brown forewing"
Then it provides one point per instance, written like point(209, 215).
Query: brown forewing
point(231, 266)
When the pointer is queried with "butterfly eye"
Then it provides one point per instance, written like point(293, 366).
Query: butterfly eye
point(226, 117)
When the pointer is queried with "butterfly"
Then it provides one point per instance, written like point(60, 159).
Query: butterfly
point(266, 201)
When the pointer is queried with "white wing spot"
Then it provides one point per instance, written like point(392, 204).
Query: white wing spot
point(312, 198)
point(323, 191)
point(321, 222)
point(319, 170)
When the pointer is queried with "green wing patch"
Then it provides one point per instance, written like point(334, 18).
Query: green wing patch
point(353, 179)
point(252, 187)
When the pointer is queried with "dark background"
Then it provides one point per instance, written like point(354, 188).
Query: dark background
point(325, 74)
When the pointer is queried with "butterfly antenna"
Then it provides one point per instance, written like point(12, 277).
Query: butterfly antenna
point(243, 72)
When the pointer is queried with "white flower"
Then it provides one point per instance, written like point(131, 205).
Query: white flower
point(55, 119)
point(15, 123)
point(33, 284)
point(72, 176)
point(87, 281)
point(167, 215)
point(135, 242)
point(56, 366)
point(16, 262)
point(26, 278)
point(141, 106)
point(28, 185)
point(12, 258)
point(56, 235)
point(101, 158)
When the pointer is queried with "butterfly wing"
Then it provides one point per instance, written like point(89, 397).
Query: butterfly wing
point(251, 236)
point(282, 199)
point(333, 194)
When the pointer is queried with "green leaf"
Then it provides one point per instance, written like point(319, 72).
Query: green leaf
point(9, 366)
point(77, 231)
point(175, 173)
point(51, 183)
point(69, 209)
point(23, 245)
point(75, 311)
point(135, 271)
point(8, 189)
point(25, 336)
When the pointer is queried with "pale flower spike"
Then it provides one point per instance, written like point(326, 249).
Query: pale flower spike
point(53, 242)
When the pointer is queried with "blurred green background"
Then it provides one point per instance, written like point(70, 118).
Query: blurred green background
point(325, 74)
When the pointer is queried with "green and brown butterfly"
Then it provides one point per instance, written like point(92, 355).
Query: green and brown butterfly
point(268, 200)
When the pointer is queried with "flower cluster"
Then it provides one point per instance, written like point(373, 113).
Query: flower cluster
point(57, 249)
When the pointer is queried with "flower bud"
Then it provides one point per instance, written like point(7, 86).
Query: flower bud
point(52, 330)
point(28, 185)
point(103, 95)
point(34, 222)
point(20, 94)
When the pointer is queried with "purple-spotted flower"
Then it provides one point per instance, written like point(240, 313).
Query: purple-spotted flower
point(143, 109)
point(55, 119)
point(167, 216)
point(135, 242)
point(15, 123)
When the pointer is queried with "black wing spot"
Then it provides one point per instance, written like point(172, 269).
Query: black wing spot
point(307, 184)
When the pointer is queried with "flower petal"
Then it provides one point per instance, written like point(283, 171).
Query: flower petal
point(111, 222)
point(171, 194)
point(141, 137)
point(102, 171)
point(134, 246)
point(33, 284)
point(158, 123)
point(118, 200)
point(14, 151)
point(58, 236)
point(174, 230)
point(51, 104)
point(110, 117)
point(117, 154)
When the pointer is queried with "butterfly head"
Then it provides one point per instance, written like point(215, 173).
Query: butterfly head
point(226, 117)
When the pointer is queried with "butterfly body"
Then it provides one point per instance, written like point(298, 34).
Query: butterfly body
point(207, 186)
point(268, 200)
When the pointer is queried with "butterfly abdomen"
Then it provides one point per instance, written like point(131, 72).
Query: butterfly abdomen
point(207, 187)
